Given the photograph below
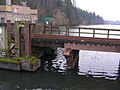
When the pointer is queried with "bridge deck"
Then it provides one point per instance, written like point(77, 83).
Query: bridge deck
point(78, 38)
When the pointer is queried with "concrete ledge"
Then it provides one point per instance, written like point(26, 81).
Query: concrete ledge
point(31, 64)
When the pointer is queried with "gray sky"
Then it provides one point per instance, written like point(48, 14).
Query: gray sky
point(108, 9)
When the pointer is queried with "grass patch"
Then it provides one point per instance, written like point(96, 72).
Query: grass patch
point(14, 60)
point(23, 58)
point(35, 60)
point(9, 61)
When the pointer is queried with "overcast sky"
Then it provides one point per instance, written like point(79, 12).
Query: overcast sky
point(108, 9)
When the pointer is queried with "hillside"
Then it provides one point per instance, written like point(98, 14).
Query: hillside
point(62, 10)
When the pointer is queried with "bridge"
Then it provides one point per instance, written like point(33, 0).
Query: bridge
point(31, 39)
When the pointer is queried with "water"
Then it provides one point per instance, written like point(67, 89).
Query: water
point(99, 64)
point(96, 71)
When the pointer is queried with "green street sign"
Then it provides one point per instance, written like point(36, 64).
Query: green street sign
point(47, 19)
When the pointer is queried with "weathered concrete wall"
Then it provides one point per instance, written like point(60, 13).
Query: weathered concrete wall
point(24, 65)
point(11, 66)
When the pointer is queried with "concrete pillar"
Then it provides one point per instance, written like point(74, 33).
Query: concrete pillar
point(72, 58)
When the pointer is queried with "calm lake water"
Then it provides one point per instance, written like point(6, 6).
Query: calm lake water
point(96, 71)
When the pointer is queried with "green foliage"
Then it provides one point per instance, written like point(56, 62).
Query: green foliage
point(89, 18)
point(49, 12)
point(32, 3)
point(16, 2)
point(2, 2)
point(59, 3)
point(47, 8)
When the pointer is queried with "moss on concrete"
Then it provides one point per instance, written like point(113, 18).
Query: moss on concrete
point(35, 60)
point(9, 61)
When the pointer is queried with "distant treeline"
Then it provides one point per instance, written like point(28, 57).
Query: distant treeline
point(64, 12)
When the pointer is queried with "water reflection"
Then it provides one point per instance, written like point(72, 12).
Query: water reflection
point(99, 64)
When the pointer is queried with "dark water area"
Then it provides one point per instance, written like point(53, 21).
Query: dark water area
point(90, 75)
point(49, 80)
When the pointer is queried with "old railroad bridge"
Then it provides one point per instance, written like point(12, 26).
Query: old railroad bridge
point(26, 39)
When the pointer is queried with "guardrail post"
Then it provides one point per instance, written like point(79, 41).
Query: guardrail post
point(43, 28)
point(108, 33)
point(79, 32)
point(50, 28)
point(68, 31)
point(93, 32)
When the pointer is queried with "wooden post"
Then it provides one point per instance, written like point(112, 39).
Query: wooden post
point(27, 40)
point(43, 28)
point(79, 32)
point(8, 30)
point(17, 39)
point(108, 33)
point(93, 32)
point(36, 28)
point(50, 28)
point(68, 31)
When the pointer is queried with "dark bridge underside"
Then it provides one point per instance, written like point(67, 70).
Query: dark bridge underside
point(76, 43)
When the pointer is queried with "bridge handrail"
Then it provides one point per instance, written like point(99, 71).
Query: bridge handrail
point(79, 31)
point(89, 28)
point(109, 32)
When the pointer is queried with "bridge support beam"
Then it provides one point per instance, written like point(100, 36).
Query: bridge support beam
point(72, 57)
